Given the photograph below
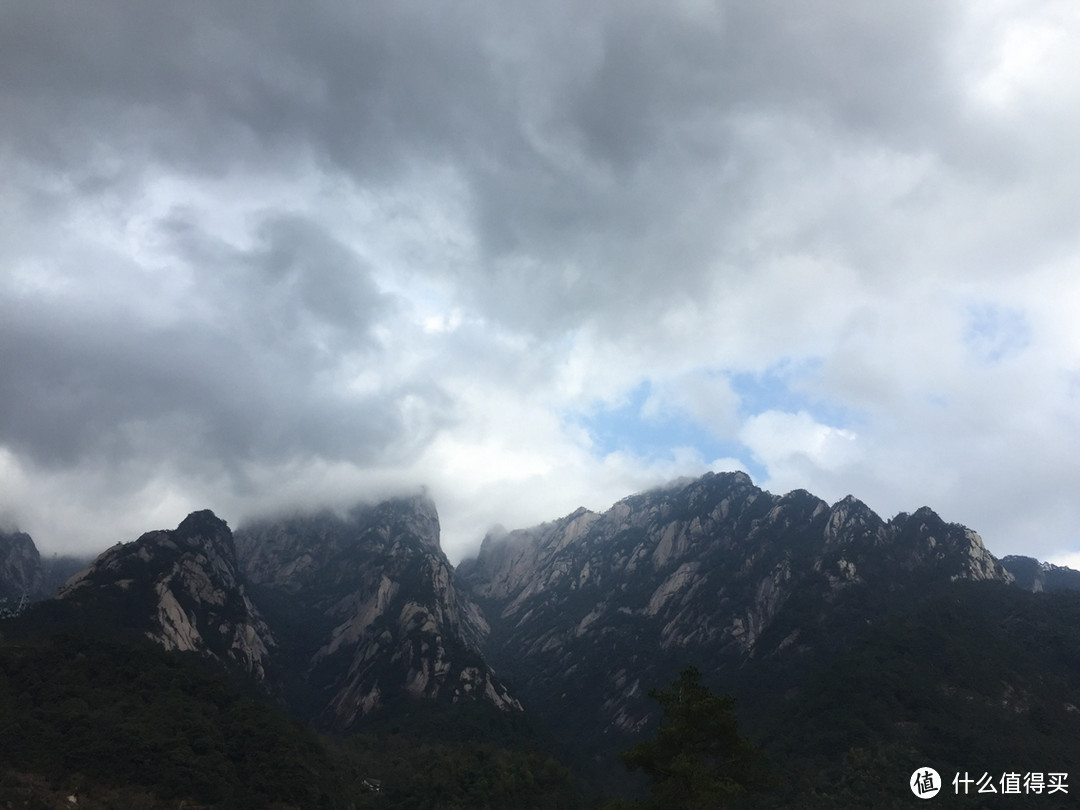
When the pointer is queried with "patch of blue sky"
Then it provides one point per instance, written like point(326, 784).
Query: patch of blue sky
point(651, 434)
point(787, 386)
point(993, 332)
point(654, 436)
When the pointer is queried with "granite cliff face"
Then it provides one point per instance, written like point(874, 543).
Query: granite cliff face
point(368, 610)
point(21, 579)
point(593, 609)
point(1038, 577)
point(182, 589)
point(339, 616)
point(342, 615)
point(858, 638)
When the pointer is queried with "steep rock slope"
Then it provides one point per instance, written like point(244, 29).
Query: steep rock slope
point(1035, 576)
point(21, 579)
point(589, 611)
point(367, 610)
point(182, 589)
point(26, 577)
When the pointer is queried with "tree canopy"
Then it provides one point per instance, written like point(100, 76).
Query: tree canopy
point(696, 760)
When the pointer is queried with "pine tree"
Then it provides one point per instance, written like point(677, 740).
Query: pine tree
point(697, 760)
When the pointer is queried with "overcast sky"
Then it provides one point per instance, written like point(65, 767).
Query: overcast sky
point(260, 256)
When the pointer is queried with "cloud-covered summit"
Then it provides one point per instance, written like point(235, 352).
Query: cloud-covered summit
point(262, 255)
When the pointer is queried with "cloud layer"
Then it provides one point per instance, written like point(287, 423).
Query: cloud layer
point(255, 257)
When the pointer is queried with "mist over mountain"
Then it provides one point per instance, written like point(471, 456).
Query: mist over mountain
point(368, 611)
point(850, 642)
point(20, 569)
point(26, 577)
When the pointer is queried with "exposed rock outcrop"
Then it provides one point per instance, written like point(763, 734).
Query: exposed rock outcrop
point(369, 609)
point(21, 580)
point(713, 570)
point(1032, 575)
point(181, 588)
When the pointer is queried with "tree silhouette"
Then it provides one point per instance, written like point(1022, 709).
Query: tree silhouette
point(697, 760)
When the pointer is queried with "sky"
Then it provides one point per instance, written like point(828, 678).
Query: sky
point(259, 257)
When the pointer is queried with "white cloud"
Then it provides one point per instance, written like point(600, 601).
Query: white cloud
point(1068, 559)
point(795, 448)
point(1024, 52)
point(347, 251)
point(705, 397)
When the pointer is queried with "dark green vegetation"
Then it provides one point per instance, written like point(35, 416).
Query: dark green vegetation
point(89, 714)
point(431, 755)
point(125, 724)
point(974, 677)
point(696, 760)
point(983, 678)
point(978, 678)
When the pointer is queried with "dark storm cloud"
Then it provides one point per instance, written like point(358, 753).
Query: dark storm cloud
point(239, 237)
point(656, 117)
point(326, 277)
point(365, 85)
point(577, 129)
point(249, 372)
point(296, 281)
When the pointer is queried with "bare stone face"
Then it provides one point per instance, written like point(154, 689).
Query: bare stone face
point(385, 613)
point(700, 570)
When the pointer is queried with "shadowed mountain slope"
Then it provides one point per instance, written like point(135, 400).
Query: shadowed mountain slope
point(367, 610)
point(180, 588)
point(588, 612)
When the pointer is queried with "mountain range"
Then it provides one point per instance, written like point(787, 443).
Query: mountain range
point(855, 647)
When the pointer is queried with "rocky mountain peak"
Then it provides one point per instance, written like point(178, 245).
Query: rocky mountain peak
point(181, 588)
point(411, 517)
point(927, 542)
point(203, 530)
point(370, 609)
point(508, 560)
point(715, 568)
